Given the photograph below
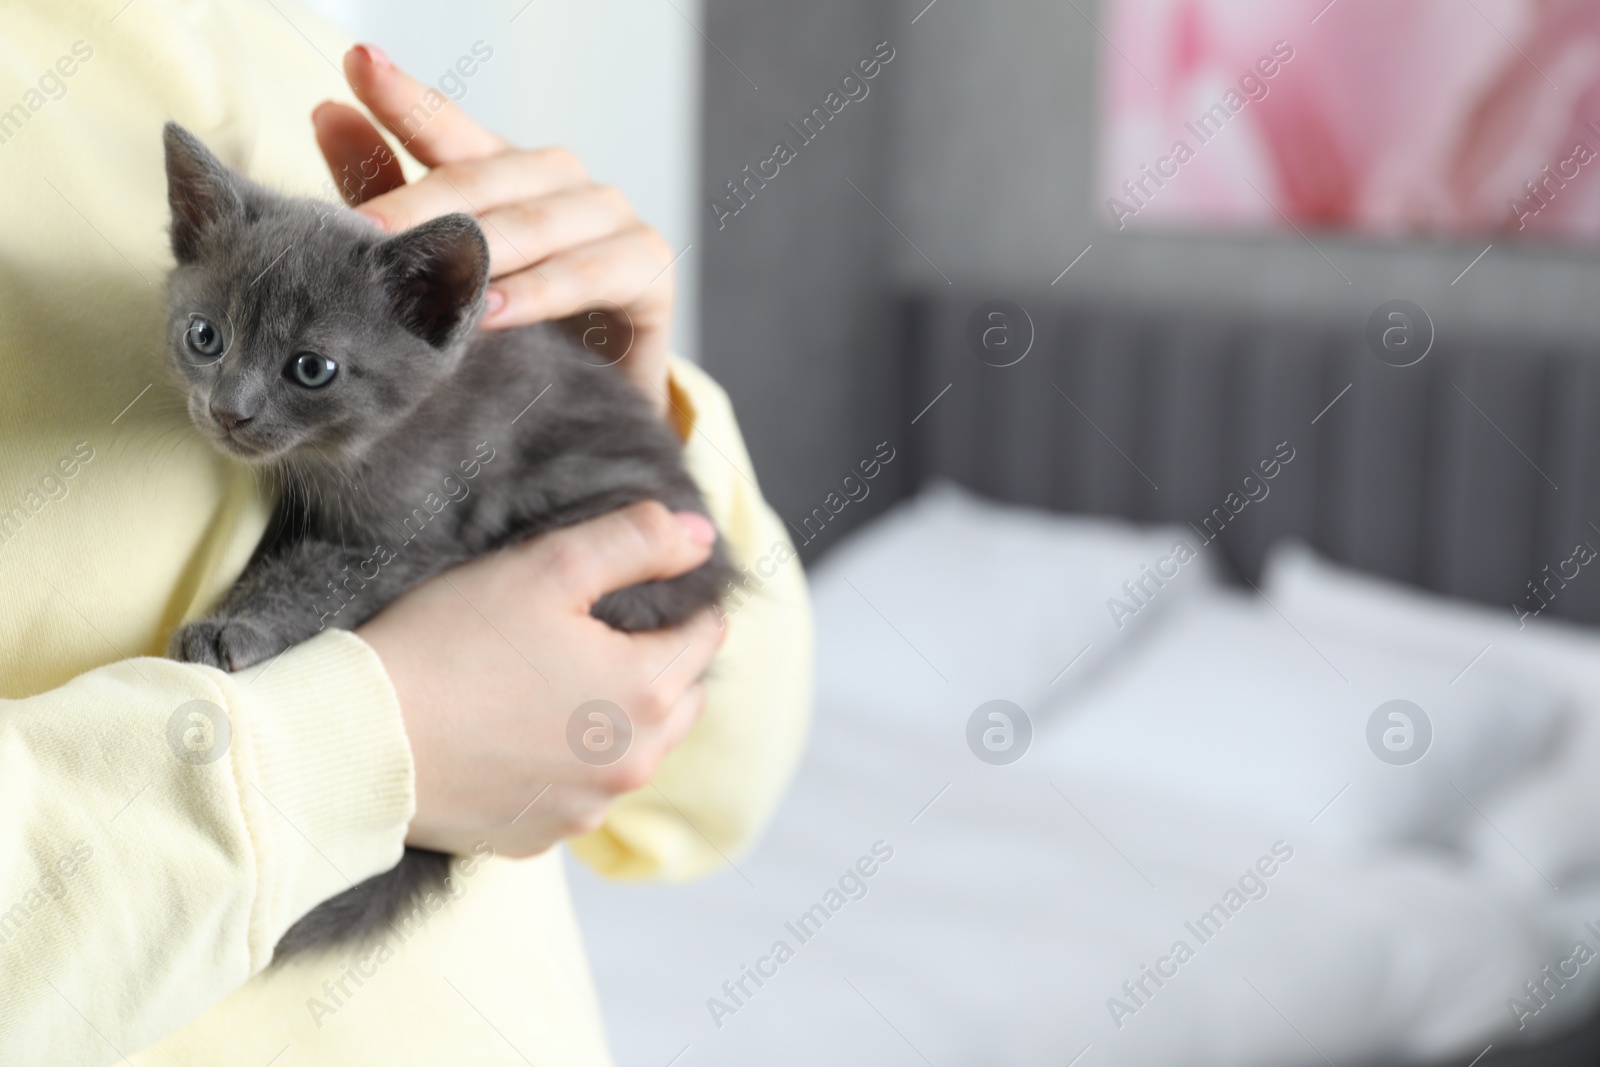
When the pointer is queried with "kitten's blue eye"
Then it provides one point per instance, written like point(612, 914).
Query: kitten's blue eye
point(203, 339)
point(311, 370)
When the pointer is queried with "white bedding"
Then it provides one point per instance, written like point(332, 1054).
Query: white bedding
point(989, 914)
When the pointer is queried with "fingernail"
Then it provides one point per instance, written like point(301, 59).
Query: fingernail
point(376, 220)
point(373, 54)
point(697, 527)
point(493, 301)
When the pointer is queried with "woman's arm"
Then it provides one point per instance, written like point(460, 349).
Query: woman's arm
point(166, 823)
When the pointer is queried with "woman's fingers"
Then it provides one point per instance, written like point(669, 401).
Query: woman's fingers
point(677, 658)
point(527, 231)
point(478, 187)
point(639, 543)
point(683, 717)
point(361, 161)
point(558, 244)
point(428, 125)
point(553, 254)
point(620, 269)
point(665, 729)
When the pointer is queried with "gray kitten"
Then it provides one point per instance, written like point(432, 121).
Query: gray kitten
point(345, 362)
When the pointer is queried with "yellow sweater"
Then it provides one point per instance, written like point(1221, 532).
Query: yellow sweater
point(141, 893)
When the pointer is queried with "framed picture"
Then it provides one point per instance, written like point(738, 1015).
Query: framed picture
point(1384, 117)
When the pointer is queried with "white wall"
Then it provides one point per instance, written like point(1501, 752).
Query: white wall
point(617, 81)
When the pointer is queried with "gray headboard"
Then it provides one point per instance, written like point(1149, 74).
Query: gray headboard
point(1469, 472)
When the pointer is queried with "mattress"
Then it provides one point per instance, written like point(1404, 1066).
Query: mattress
point(1072, 799)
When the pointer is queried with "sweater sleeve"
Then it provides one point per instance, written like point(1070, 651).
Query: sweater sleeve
point(715, 791)
point(166, 823)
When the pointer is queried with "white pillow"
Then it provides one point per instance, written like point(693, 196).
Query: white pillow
point(951, 601)
point(1546, 829)
point(1228, 703)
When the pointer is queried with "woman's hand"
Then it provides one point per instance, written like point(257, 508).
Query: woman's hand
point(491, 660)
point(558, 243)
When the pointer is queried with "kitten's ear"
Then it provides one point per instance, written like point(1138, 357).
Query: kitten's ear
point(436, 274)
point(200, 190)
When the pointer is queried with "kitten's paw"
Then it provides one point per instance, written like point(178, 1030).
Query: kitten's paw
point(229, 644)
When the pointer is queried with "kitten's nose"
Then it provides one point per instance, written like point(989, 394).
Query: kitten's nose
point(228, 419)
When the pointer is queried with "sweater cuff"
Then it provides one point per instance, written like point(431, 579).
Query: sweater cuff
point(681, 410)
point(325, 776)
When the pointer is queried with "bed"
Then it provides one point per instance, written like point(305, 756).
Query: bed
point(1161, 727)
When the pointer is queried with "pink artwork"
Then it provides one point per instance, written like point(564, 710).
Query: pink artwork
point(1391, 117)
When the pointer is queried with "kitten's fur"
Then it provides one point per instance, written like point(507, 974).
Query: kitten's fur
point(425, 426)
